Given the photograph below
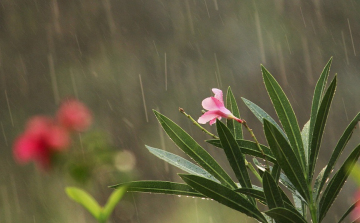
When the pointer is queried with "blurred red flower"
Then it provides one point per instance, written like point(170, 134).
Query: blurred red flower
point(74, 115)
point(42, 137)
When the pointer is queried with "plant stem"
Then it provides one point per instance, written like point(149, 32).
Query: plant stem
point(257, 142)
point(312, 208)
point(197, 124)
point(252, 169)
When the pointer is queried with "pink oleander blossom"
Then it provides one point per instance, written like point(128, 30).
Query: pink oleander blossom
point(216, 109)
point(41, 138)
point(74, 115)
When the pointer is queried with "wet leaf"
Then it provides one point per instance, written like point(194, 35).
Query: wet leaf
point(159, 187)
point(286, 116)
point(223, 195)
point(234, 126)
point(187, 144)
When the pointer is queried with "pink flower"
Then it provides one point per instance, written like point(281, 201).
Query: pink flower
point(74, 115)
point(355, 214)
point(216, 109)
point(42, 137)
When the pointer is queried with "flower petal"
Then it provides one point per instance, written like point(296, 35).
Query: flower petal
point(209, 104)
point(214, 120)
point(218, 94)
point(208, 116)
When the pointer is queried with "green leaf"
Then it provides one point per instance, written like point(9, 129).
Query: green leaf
point(351, 208)
point(271, 191)
point(338, 150)
point(318, 94)
point(85, 199)
point(261, 115)
point(319, 178)
point(275, 172)
point(181, 163)
point(159, 187)
point(319, 127)
point(286, 116)
point(285, 215)
point(234, 126)
point(286, 158)
point(113, 200)
point(256, 193)
point(284, 181)
point(223, 195)
point(249, 148)
point(233, 154)
point(337, 182)
point(305, 139)
point(300, 206)
point(187, 144)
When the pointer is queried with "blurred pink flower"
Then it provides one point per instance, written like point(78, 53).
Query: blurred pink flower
point(216, 109)
point(74, 115)
point(42, 137)
point(355, 214)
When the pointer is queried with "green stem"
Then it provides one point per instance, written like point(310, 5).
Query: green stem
point(197, 124)
point(257, 142)
point(252, 169)
point(312, 208)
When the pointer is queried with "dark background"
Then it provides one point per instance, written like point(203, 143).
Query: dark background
point(97, 50)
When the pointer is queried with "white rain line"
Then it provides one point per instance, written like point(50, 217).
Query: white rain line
point(217, 73)
point(303, 17)
point(143, 97)
point(261, 43)
point(53, 78)
point(3, 130)
point(73, 83)
point(343, 39)
point(207, 9)
point(8, 104)
point(166, 87)
point(352, 40)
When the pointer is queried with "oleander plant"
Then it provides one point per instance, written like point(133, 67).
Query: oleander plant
point(287, 162)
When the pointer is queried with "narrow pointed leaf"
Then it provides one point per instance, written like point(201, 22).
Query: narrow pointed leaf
point(261, 115)
point(285, 215)
point(286, 158)
point(253, 192)
point(319, 127)
point(286, 115)
point(233, 154)
point(223, 195)
point(272, 194)
point(181, 163)
point(319, 178)
point(85, 199)
point(338, 150)
point(318, 94)
point(300, 206)
point(275, 172)
point(159, 187)
point(337, 182)
point(283, 180)
point(187, 144)
point(249, 148)
point(305, 139)
point(234, 126)
point(113, 200)
point(351, 208)
point(258, 193)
